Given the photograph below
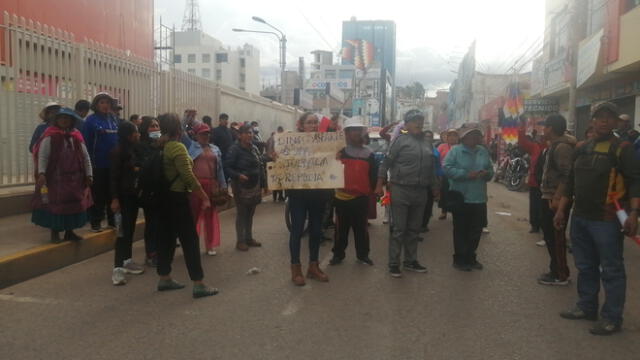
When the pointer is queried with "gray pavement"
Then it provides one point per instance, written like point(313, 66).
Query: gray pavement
point(362, 313)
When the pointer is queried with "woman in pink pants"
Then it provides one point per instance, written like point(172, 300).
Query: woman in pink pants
point(207, 166)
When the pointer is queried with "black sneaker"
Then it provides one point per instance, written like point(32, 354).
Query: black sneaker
point(605, 327)
point(477, 265)
point(365, 261)
point(549, 279)
point(415, 267)
point(462, 267)
point(578, 314)
point(96, 228)
point(335, 260)
point(395, 272)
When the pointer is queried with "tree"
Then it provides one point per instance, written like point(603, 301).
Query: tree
point(414, 91)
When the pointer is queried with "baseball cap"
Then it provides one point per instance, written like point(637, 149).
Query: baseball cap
point(202, 128)
point(606, 105)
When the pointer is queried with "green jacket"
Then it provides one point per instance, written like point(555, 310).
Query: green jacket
point(460, 161)
point(177, 162)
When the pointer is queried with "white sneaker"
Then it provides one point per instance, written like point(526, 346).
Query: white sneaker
point(132, 268)
point(118, 276)
point(212, 253)
point(541, 243)
point(485, 230)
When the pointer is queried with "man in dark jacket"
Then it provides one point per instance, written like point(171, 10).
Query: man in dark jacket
point(605, 179)
point(221, 136)
point(555, 176)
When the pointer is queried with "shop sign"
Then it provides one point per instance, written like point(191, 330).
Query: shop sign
point(588, 58)
point(541, 106)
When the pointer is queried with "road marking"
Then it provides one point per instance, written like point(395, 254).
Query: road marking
point(28, 299)
point(294, 305)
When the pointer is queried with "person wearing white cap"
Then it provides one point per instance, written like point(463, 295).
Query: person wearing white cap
point(352, 201)
point(46, 114)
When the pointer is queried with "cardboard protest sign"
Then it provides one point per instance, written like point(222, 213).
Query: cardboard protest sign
point(306, 161)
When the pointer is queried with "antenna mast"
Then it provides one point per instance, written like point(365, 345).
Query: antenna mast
point(191, 20)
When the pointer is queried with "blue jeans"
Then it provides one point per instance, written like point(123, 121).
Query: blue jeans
point(303, 204)
point(597, 251)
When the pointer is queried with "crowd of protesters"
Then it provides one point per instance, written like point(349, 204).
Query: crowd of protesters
point(179, 171)
point(95, 167)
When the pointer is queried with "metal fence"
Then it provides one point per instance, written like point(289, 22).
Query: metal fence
point(39, 64)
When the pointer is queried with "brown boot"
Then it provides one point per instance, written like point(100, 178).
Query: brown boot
point(314, 272)
point(242, 247)
point(296, 275)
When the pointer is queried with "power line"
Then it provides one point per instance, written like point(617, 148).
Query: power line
point(315, 29)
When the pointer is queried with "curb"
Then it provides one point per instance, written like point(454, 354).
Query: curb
point(30, 263)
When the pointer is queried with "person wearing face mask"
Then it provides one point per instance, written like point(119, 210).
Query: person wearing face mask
point(145, 150)
point(412, 167)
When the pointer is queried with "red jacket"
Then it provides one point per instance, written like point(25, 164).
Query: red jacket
point(534, 150)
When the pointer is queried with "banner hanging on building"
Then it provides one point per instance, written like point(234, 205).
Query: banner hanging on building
point(307, 161)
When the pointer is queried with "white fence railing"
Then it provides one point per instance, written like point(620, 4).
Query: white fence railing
point(39, 64)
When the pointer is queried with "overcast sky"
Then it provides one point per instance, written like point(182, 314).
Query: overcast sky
point(432, 35)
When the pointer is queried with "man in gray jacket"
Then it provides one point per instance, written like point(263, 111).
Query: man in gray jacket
point(412, 168)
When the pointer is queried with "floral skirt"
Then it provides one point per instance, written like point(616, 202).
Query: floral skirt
point(44, 218)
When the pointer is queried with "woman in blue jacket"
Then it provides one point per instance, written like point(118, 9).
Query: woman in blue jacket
point(468, 168)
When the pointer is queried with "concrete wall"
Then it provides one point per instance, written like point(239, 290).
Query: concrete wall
point(245, 107)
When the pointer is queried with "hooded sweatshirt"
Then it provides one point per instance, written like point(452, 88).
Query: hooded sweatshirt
point(557, 165)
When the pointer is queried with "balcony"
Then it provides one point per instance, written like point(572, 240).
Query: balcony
point(629, 59)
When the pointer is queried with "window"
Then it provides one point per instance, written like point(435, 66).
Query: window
point(345, 74)
point(597, 15)
point(206, 73)
point(191, 71)
point(206, 58)
point(177, 58)
point(559, 34)
point(222, 57)
point(191, 58)
point(243, 63)
point(218, 74)
point(330, 74)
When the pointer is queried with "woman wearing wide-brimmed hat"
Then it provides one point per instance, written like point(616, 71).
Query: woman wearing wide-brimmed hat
point(468, 168)
point(100, 132)
point(63, 173)
point(46, 114)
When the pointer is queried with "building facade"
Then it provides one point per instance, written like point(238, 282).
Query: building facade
point(371, 45)
point(591, 53)
point(200, 54)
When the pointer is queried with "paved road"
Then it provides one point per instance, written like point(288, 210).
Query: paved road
point(499, 313)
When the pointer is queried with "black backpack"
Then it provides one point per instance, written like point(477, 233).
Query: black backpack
point(154, 187)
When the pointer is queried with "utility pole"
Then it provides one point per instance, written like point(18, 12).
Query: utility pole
point(578, 14)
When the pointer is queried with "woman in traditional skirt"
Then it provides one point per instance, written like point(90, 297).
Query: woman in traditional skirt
point(64, 174)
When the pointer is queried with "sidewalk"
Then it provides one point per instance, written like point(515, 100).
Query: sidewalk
point(25, 250)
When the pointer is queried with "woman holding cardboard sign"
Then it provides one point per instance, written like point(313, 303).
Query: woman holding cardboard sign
point(303, 203)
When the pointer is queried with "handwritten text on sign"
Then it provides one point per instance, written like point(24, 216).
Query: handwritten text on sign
point(307, 161)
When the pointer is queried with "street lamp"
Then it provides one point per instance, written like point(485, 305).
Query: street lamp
point(282, 38)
